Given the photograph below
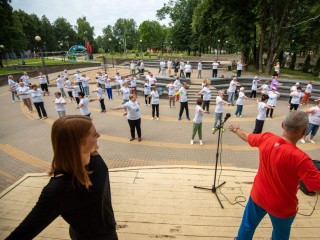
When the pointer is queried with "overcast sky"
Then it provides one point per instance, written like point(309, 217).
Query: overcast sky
point(99, 13)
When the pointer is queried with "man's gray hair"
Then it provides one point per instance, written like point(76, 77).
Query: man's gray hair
point(296, 121)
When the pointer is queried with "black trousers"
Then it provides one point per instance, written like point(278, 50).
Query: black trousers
point(205, 105)
point(259, 126)
point(188, 74)
point(146, 99)
point(184, 105)
point(271, 112)
point(253, 93)
point(155, 108)
point(135, 124)
point(103, 107)
point(81, 87)
point(40, 109)
point(44, 87)
point(77, 100)
point(238, 73)
point(214, 72)
point(75, 236)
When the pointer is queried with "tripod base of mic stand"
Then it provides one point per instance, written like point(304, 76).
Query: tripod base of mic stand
point(214, 190)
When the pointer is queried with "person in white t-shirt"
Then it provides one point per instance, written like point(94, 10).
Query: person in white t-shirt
point(239, 68)
point(43, 83)
point(181, 67)
point(60, 84)
point(163, 67)
point(132, 110)
point(69, 89)
point(26, 79)
point(240, 102)
point(133, 85)
point(154, 95)
point(183, 100)
point(254, 88)
point(188, 69)
point(84, 104)
point(295, 101)
point(265, 88)
point(307, 94)
point(262, 109)
point(206, 95)
point(22, 92)
point(36, 97)
point(13, 86)
point(169, 65)
point(76, 90)
point(199, 69)
point(219, 109)
point(314, 122)
point(59, 104)
point(171, 91)
point(77, 77)
point(100, 96)
point(215, 66)
point(197, 122)
point(293, 89)
point(133, 67)
point(152, 80)
point(276, 69)
point(118, 82)
point(108, 87)
point(178, 85)
point(272, 101)
point(147, 91)
point(125, 93)
point(232, 90)
point(85, 84)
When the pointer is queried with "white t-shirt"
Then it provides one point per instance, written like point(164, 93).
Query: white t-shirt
point(23, 89)
point(141, 65)
point(85, 81)
point(182, 65)
point(254, 85)
point(265, 88)
point(152, 80)
point(239, 66)
point(76, 90)
point(163, 64)
point(154, 97)
point(85, 108)
point(107, 83)
point(68, 86)
point(296, 97)
point(171, 88)
point(219, 105)
point(215, 65)
point(309, 88)
point(133, 66)
point(241, 99)
point(59, 107)
point(43, 79)
point(169, 64)
point(133, 110)
point(11, 83)
point(125, 93)
point(188, 68)
point(60, 82)
point(36, 95)
point(277, 68)
point(26, 79)
point(273, 96)
point(77, 76)
point(293, 88)
point(232, 86)
point(198, 115)
point(147, 89)
point(133, 82)
point(183, 95)
point(100, 93)
point(177, 84)
point(206, 92)
point(118, 80)
point(262, 111)
point(199, 66)
point(314, 118)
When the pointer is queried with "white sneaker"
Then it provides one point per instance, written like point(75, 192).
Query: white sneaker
point(201, 143)
point(312, 141)
point(152, 118)
point(303, 141)
point(191, 142)
point(241, 116)
point(236, 115)
point(157, 118)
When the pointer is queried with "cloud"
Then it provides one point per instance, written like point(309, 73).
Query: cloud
point(99, 13)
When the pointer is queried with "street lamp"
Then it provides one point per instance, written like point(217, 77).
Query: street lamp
point(141, 48)
point(226, 46)
point(120, 50)
point(38, 39)
point(110, 40)
point(218, 50)
point(171, 48)
point(5, 56)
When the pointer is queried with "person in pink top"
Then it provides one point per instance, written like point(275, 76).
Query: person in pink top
point(282, 164)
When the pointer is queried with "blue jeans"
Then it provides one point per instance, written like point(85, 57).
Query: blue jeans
point(313, 129)
point(217, 117)
point(239, 110)
point(109, 92)
point(231, 97)
point(252, 216)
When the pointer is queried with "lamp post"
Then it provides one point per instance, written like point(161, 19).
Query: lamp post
point(110, 40)
point(5, 56)
point(226, 46)
point(171, 48)
point(120, 50)
point(218, 50)
point(141, 48)
point(38, 39)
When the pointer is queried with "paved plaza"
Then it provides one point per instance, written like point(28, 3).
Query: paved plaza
point(25, 148)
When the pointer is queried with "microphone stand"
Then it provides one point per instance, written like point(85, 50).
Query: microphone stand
point(214, 188)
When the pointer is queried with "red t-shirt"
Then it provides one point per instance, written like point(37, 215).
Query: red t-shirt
point(281, 167)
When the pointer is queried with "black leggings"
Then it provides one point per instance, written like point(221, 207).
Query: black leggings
point(146, 99)
point(184, 105)
point(205, 105)
point(135, 124)
point(254, 94)
point(258, 127)
point(155, 108)
point(40, 109)
point(44, 87)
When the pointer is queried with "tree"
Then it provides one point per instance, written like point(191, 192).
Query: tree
point(152, 34)
point(63, 31)
point(84, 30)
point(125, 31)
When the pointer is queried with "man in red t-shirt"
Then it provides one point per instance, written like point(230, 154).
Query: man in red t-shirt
point(282, 165)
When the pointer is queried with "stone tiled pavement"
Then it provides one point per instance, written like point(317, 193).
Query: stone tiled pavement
point(25, 141)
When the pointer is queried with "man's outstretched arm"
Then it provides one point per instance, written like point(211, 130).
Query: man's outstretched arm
point(240, 133)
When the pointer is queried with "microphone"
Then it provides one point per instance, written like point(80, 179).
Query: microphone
point(221, 124)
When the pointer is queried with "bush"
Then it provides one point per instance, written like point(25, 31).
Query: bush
point(306, 65)
point(316, 68)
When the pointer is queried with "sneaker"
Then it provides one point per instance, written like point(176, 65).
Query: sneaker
point(236, 115)
point(131, 139)
point(148, 105)
point(13, 101)
point(222, 129)
point(179, 118)
point(241, 116)
point(303, 141)
point(139, 139)
point(45, 117)
point(312, 141)
point(213, 129)
point(157, 118)
point(191, 142)
point(152, 118)
point(201, 143)
point(188, 118)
